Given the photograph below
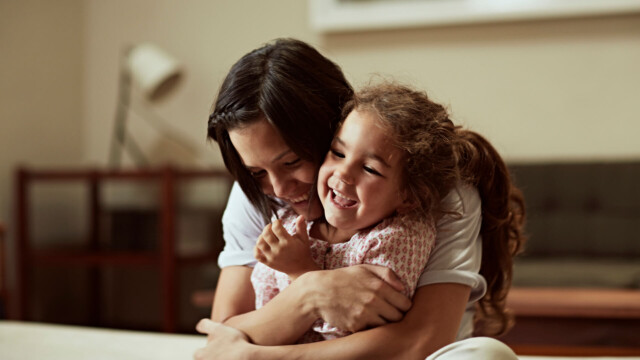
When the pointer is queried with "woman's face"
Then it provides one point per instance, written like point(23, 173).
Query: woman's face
point(360, 181)
point(278, 170)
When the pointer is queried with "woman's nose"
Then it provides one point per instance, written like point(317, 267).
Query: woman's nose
point(280, 186)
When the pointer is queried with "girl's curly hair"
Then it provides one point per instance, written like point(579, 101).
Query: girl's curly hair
point(440, 156)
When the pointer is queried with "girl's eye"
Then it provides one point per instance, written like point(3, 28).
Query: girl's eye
point(291, 163)
point(337, 154)
point(372, 171)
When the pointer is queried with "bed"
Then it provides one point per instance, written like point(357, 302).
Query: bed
point(29, 340)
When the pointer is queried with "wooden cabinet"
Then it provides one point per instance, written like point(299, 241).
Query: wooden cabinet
point(574, 321)
point(105, 245)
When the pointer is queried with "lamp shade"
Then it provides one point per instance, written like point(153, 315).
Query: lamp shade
point(153, 70)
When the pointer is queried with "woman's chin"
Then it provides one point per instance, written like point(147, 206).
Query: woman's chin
point(310, 212)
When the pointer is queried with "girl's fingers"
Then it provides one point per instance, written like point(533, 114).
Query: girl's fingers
point(268, 235)
point(301, 228)
point(279, 231)
point(263, 246)
point(266, 230)
point(258, 255)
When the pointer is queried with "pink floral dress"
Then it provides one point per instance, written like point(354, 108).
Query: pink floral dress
point(401, 243)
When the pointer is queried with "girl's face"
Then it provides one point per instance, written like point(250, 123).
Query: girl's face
point(360, 181)
point(279, 171)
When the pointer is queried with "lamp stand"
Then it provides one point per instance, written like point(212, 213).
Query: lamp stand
point(119, 138)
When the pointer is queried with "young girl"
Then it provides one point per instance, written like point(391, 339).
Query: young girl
point(393, 159)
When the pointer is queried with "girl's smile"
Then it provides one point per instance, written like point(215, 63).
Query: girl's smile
point(360, 182)
point(342, 201)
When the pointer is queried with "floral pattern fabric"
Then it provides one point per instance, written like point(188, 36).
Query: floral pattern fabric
point(401, 243)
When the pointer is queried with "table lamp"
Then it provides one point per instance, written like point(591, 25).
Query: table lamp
point(155, 73)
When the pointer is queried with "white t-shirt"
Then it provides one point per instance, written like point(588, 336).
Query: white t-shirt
point(455, 259)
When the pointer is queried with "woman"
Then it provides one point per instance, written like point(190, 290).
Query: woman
point(274, 119)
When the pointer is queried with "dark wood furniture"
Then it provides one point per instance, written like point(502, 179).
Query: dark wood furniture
point(93, 255)
point(575, 321)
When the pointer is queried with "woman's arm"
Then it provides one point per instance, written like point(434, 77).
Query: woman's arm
point(234, 294)
point(234, 305)
point(355, 288)
point(430, 324)
point(352, 298)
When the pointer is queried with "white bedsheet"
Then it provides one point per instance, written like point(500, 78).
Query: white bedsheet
point(29, 340)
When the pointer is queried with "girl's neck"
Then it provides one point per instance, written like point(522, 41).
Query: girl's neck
point(322, 230)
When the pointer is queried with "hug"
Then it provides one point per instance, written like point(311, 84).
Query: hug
point(363, 224)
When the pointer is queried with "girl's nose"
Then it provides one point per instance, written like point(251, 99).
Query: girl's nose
point(345, 175)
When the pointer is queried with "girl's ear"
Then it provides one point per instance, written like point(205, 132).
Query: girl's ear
point(408, 202)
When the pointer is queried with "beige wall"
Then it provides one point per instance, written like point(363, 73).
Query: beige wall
point(542, 90)
point(546, 90)
point(41, 97)
point(40, 86)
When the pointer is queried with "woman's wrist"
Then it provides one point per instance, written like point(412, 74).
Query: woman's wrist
point(305, 287)
point(252, 352)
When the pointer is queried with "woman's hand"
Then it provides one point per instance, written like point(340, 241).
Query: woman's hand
point(356, 297)
point(223, 342)
point(284, 252)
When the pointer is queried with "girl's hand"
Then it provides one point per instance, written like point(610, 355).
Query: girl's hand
point(356, 297)
point(223, 342)
point(284, 252)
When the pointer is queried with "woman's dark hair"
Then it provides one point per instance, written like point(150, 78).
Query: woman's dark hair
point(441, 155)
point(293, 87)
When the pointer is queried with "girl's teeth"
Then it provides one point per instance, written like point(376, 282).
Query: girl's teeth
point(341, 200)
point(340, 195)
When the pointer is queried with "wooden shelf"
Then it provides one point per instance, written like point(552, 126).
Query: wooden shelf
point(163, 256)
point(575, 302)
point(74, 258)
